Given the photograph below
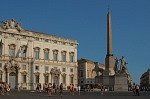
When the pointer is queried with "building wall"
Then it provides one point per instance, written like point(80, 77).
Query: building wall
point(33, 40)
point(88, 73)
point(145, 81)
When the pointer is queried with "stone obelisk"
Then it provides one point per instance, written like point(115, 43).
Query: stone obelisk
point(109, 60)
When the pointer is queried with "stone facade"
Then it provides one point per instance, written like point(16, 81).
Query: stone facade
point(87, 72)
point(28, 58)
point(145, 81)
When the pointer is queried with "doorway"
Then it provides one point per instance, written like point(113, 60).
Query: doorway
point(12, 80)
point(56, 80)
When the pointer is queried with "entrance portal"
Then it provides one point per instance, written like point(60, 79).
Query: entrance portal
point(12, 80)
point(56, 80)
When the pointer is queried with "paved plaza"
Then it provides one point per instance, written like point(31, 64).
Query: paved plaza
point(66, 95)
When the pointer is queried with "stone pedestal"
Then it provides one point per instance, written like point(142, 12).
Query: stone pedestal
point(121, 83)
point(107, 81)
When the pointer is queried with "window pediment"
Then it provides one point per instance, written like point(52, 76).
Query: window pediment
point(36, 73)
point(71, 75)
point(36, 48)
point(46, 49)
point(12, 46)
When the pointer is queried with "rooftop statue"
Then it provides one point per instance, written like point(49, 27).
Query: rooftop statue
point(11, 24)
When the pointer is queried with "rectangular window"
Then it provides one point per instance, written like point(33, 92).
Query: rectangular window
point(37, 68)
point(46, 55)
point(36, 78)
point(81, 73)
point(88, 73)
point(0, 77)
point(55, 57)
point(0, 65)
point(12, 52)
point(71, 58)
point(71, 70)
point(64, 79)
point(24, 77)
point(36, 53)
point(1, 47)
point(23, 54)
point(23, 67)
point(63, 69)
point(46, 68)
point(46, 79)
point(63, 55)
point(71, 80)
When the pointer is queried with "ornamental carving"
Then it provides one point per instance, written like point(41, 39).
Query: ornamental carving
point(36, 73)
point(12, 66)
point(71, 75)
point(24, 73)
point(55, 71)
point(63, 74)
point(46, 74)
point(11, 24)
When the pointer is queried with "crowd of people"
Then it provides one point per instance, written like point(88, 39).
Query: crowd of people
point(53, 89)
point(4, 88)
point(50, 88)
point(136, 89)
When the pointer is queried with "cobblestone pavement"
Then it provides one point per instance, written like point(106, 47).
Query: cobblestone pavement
point(66, 95)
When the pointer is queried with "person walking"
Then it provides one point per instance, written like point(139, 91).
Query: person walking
point(79, 89)
point(102, 89)
point(61, 89)
point(49, 89)
point(137, 89)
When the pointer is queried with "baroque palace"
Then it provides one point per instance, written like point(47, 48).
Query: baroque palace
point(28, 58)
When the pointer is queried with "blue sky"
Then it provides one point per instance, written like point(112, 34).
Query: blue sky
point(85, 21)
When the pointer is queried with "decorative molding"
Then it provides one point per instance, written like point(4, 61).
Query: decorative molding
point(55, 71)
point(71, 75)
point(24, 72)
point(36, 73)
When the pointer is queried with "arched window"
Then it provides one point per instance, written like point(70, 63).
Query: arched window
point(12, 48)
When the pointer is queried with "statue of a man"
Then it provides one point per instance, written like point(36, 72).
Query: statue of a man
point(116, 64)
point(122, 61)
point(12, 23)
point(18, 26)
point(6, 25)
